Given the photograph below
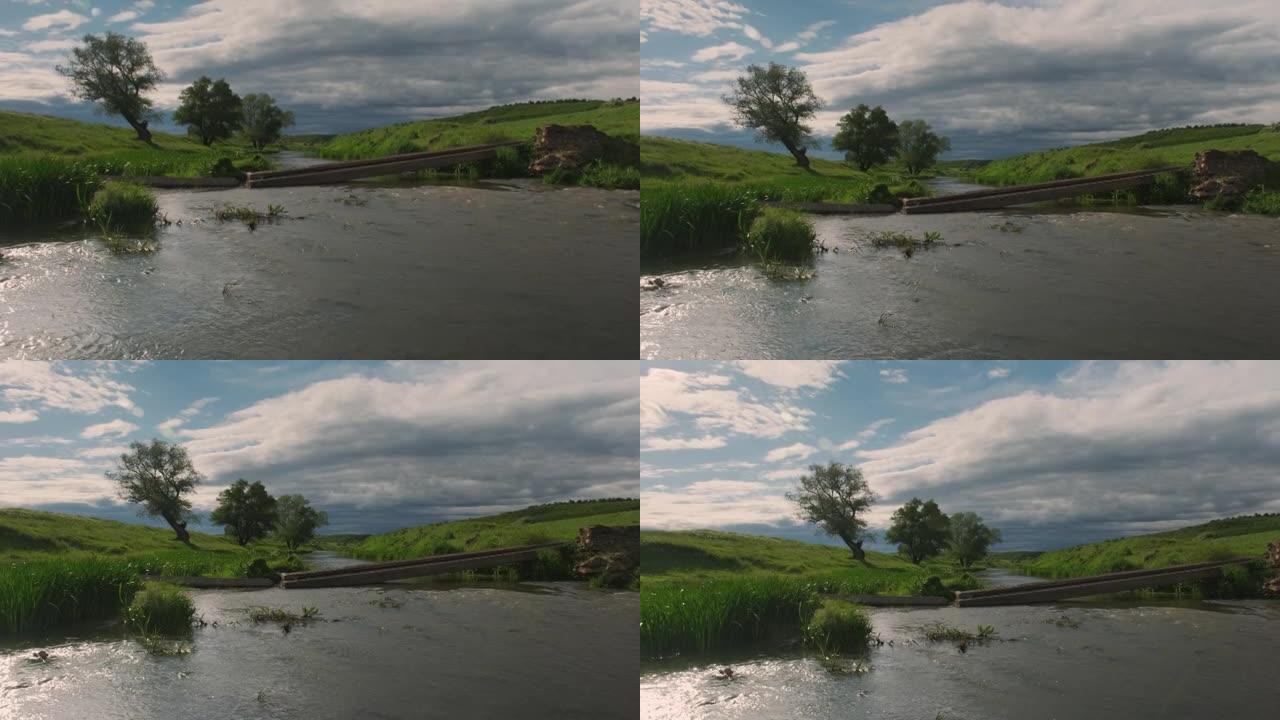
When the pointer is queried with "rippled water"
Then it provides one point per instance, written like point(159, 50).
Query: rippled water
point(356, 271)
point(1121, 660)
point(1057, 282)
point(542, 650)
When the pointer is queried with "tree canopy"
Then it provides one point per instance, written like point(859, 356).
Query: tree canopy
point(970, 538)
point(159, 476)
point(919, 528)
point(247, 511)
point(776, 101)
point(263, 119)
point(867, 136)
point(114, 71)
point(296, 520)
point(918, 147)
point(209, 110)
point(836, 498)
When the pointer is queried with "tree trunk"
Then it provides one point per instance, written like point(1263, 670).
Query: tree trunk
point(179, 529)
point(855, 547)
point(140, 127)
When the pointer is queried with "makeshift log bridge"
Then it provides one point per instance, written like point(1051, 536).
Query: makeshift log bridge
point(374, 573)
point(1093, 585)
point(1019, 194)
point(376, 167)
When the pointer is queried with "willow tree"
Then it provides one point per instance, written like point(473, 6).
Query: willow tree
point(836, 498)
point(115, 71)
point(777, 101)
point(159, 476)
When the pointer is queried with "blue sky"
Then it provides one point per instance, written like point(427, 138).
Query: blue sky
point(338, 65)
point(997, 78)
point(378, 445)
point(1052, 453)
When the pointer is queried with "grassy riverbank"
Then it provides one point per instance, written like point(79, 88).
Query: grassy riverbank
point(58, 569)
point(703, 591)
point(530, 526)
point(616, 118)
point(1160, 148)
point(701, 196)
point(1224, 539)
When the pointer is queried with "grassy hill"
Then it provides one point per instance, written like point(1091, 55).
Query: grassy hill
point(508, 122)
point(671, 159)
point(27, 535)
point(1245, 536)
point(29, 133)
point(1175, 146)
point(530, 526)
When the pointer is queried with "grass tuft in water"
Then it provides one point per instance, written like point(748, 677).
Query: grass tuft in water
point(121, 206)
point(160, 609)
point(778, 235)
point(905, 242)
point(838, 626)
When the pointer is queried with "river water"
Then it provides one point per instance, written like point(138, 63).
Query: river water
point(1073, 660)
point(1055, 282)
point(533, 650)
point(363, 270)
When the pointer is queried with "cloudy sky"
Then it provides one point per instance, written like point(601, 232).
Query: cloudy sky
point(1052, 453)
point(338, 64)
point(378, 445)
point(996, 77)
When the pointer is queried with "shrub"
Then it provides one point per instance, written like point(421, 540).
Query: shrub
point(1262, 202)
point(781, 235)
point(123, 206)
point(162, 609)
point(838, 626)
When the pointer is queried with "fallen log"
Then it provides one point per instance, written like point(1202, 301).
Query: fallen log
point(195, 581)
point(1021, 194)
point(374, 167)
point(1096, 585)
point(425, 560)
point(358, 575)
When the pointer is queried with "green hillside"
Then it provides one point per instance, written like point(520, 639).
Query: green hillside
point(32, 535)
point(508, 122)
point(530, 526)
point(673, 159)
point(28, 133)
point(1245, 536)
point(1175, 146)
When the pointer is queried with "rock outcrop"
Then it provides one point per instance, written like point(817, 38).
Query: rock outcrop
point(610, 555)
point(570, 148)
point(1271, 585)
point(1228, 174)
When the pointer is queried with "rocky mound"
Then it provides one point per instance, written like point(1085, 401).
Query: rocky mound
point(610, 554)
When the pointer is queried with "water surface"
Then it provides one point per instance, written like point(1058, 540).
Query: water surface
point(365, 270)
point(1041, 282)
point(534, 650)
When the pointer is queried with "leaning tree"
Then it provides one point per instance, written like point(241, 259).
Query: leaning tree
point(114, 71)
point(159, 476)
point(777, 101)
point(836, 498)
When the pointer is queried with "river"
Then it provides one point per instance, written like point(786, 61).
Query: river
point(530, 650)
point(516, 269)
point(1078, 660)
point(1055, 282)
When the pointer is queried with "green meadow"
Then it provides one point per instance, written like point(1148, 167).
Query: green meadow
point(703, 591)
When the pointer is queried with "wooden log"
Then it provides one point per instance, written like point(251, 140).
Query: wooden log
point(374, 167)
point(894, 600)
point(360, 576)
point(1029, 594)
point(1041, 584)
point(988, 192)
point(426, 560)
point(1021, 197)
point(835, 208)
point(194, 581)
point(159, 181)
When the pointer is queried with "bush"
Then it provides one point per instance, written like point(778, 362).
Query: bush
point(123, 206)
point(781, 235)
point(838, 626)
point(160, 608)
point(1261, 202)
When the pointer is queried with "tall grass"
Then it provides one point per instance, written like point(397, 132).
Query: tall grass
point(685, 217)
point(1262, 202)
point(160, 608)
point(779, 235)
point(838, 626)
point(39, 594)
point(123, 206)
point(40, 189)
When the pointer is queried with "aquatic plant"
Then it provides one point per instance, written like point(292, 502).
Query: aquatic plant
point(680, 218)
point(122, 206)
point(781, 235)
point(44, 188)
point(610, 177)
point(160, 609)
point(838, 626)
point(1261, 202)
point(941, 632)
point(905, 242)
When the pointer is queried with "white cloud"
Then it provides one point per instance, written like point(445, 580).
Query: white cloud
point(727, 51)
point(18, 416)
point(706, 442)
point(62, 18)
point(873, 429)
point(755, 34)
point(116, 428)
point(51, 45)
point(667, 395)
point(896, 376)
point(998, 372)
point(124, 16)
point(84, 389)
point(691, 17)
point(109, 451)
point(170, 426)
point(713, 503)
point(33, 480)
point(798, 451)
point(793, 374)
point(95, 12)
